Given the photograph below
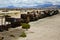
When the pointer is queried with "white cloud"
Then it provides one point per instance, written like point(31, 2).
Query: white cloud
point(20, 3)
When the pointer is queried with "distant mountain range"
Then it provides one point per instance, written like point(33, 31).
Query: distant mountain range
point(11, 7)
point(47, 6)
point(38, 6)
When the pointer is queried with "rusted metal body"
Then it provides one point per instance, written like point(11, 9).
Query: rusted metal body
point(26, 18)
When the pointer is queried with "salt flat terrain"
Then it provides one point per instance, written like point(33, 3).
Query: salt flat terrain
point(44, 29)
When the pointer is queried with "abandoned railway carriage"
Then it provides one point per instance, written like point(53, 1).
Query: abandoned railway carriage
point(26, 18)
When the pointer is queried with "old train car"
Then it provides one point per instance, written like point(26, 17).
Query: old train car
point(15, 22)
point(26, 18)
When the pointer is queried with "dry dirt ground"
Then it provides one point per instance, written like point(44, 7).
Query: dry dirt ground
point(44, 29)
point(12, 34)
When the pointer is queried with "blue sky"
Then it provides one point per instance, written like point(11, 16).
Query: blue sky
point(28, 3)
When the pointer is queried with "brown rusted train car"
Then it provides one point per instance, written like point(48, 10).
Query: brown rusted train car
point(26, 18)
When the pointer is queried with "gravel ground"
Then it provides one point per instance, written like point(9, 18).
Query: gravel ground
point(44, 29)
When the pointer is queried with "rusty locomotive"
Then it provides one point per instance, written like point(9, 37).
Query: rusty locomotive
point(26, 18)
